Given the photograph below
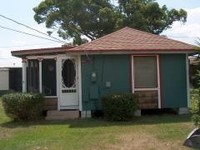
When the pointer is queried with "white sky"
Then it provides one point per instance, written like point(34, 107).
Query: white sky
point(21, 10)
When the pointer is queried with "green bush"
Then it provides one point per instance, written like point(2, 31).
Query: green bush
point(119, 107)
point(23, 106)
point(195, 106)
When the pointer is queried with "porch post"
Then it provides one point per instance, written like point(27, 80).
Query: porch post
point(40, 74)
point(58, 74)
point(24, 82)
point(80, 83)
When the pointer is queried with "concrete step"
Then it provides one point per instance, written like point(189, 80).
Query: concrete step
point(62, 115)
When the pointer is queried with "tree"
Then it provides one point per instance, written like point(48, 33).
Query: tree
point(147, 15)
point(91, 19)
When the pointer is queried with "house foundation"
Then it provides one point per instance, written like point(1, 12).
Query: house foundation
point(183, 110)
point(86, 114)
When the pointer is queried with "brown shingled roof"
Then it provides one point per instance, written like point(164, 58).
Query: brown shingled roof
point(128, 39)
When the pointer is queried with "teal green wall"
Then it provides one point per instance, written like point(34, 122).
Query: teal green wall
point(173, 80)
point(116, 70)
point(112, 68)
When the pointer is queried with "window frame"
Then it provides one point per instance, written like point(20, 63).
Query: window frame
point(40, 59)
point(158, 77)
point(42, 66)
point(143, 76)
point(32, 74)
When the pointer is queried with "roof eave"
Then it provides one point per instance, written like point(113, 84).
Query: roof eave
point(132, 51)
point(41, 51)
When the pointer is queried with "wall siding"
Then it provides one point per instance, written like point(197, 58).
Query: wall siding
point(4, 79)
point(173, 80)
point(108, 68)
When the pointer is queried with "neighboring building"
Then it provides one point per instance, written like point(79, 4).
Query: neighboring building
point(128, 60)
point(10, 80)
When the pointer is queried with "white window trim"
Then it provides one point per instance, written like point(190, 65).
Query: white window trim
point(158, 78)
point(146, 89)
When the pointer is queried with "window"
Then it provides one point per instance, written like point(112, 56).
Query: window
point(145, 72)
point(145, 81)
point(48, 74)
point(69, 73)
point(33, 76)
point(49, 77)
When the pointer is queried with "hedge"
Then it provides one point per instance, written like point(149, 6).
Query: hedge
point(120, 107)
point(23, 106)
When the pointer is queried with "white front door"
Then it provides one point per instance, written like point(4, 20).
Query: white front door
point(68, 86)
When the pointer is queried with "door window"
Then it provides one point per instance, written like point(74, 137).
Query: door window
point(68, 73)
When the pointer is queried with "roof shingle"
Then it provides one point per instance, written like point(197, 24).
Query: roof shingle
point(128, 39)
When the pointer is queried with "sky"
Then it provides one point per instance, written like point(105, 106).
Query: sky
point(22, 11)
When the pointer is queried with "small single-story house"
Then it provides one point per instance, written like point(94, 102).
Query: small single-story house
point(128, 60)
point(10, 79)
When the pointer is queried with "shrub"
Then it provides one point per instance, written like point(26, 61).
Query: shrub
point(23, 106)
point(119, 107)
point(195, 106)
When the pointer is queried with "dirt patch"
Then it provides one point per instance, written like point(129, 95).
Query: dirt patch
point(144, 142)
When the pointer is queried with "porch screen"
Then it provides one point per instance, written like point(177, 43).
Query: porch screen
point(49, 77)
point(145, 72)
point(33, 76)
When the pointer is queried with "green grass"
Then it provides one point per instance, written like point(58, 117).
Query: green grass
point(148, 132)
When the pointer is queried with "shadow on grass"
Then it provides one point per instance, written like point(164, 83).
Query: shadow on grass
point(99, 122)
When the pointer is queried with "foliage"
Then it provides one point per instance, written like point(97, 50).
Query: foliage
point(119, 107)
point(92, 19)
point(195, 106)
point(195, 74)
point(23, 106)
point(195, 67)
point(148, 16)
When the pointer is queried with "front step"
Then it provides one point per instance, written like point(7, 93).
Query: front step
point(62, 115)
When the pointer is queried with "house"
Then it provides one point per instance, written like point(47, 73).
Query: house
point(128, 60)
point(10, 79)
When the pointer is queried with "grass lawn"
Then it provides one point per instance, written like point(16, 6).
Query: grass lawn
point(166, 132)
